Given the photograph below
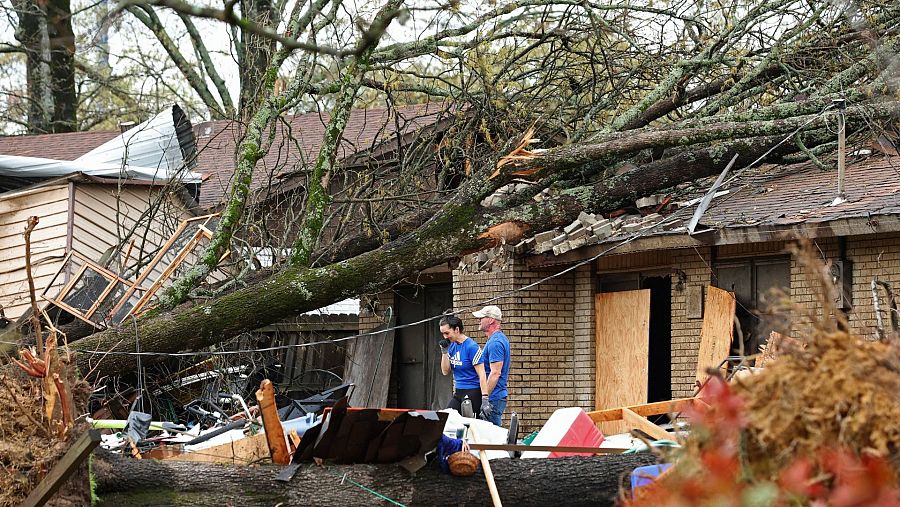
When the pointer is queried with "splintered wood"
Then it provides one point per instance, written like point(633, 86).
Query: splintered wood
point(622, 348)
point(717, 332)
point(274, 432)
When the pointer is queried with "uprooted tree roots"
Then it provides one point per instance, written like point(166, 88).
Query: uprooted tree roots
point(30, 445)
point(838, 391)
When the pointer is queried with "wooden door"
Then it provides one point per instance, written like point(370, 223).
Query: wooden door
point(717, 331)
point(622, 349)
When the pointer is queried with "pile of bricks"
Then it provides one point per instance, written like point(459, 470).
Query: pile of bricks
point(590, 229)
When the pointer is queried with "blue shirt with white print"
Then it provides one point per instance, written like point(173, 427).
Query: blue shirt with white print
point(497, 349)
point(463, 358)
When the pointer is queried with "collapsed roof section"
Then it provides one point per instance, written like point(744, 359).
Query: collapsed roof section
point(162, 148)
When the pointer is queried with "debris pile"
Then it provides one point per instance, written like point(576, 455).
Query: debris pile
point(30, 444)
point(817, 425)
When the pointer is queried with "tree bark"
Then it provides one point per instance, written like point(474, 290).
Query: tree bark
point(295, 290)
point(255, 55)
point(32, 33)
point(570, 481)
point(62, 66)
point(45, 31)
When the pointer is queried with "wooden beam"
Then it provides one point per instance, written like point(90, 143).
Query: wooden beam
point(63, 469)
point(546, 448)
point(275, 438)
point(488, 473)
point(635, 421)
point(645, 409)
point(252, 449)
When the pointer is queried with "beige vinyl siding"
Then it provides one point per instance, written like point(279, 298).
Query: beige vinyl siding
point(104, 215)
point(48, 243)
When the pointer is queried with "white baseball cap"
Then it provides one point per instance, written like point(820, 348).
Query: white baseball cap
point(489, 311)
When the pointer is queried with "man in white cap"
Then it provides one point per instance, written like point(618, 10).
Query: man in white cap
point(496, 357)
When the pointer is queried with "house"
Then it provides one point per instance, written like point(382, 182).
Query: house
point(113, 196)
point(560, 359)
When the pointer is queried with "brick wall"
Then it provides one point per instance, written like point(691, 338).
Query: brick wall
point(540, 325)
point(551, 326)
point(871, 256)
point(584, 325)
point(692, 269)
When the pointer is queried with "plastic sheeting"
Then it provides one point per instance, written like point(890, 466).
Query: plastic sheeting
point(153, 150)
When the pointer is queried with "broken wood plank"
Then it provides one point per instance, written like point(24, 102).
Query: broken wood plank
point(368, 366)
point(546, 448)
point(63, 469)
point(717, 331)
point(622, 350)
point(635, 421)
point(275, 438)
point(644, 410)
point(252, 449)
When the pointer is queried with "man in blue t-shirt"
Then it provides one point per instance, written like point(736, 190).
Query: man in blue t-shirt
point(462, 355)
point(496, 357)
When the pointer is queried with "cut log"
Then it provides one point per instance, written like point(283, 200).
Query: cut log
point(575, 481)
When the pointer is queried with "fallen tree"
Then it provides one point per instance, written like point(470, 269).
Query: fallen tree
point(572, 481)
point(461, 225)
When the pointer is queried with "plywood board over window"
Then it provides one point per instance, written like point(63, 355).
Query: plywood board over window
point(717, 331)
point(623, 341)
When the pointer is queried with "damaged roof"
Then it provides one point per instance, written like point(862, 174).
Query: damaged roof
point(757, 205)
point(296, 142)
point(786, 195)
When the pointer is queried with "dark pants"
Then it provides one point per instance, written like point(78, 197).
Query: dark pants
point(473, 394)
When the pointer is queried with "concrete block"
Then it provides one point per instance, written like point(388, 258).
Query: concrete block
point(571, 227)
point(632, 227)
point(646, 202)
point(524, 246)
point(546, 246)
point(602, 230)
point(587, 219)
point(561, 248)
point(578, 233)
point(577, 243)
point(545, 236)
point(559, 239)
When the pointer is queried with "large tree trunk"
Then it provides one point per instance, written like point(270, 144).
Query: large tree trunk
point(32, 33)
point(45, 31)
point(567, 481)
point(62, 66)
point(255, 54)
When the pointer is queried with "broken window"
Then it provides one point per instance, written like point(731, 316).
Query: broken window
point(90, 292)
point(753, 282)
point(99, 296)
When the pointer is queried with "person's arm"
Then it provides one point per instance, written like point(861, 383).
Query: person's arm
point(494, 377)
point(482, 379)
point(445, 362)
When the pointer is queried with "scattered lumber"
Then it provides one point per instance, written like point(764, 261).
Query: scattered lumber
point(74, 457)
point(578, 480)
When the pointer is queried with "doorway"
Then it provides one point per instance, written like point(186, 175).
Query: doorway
point(659, 371)
point(417, 360)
